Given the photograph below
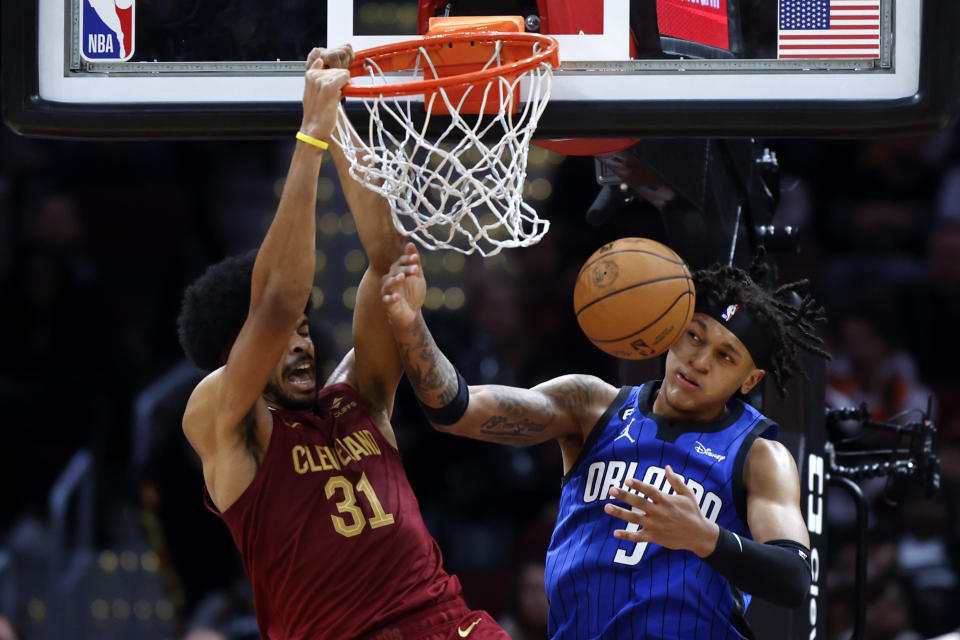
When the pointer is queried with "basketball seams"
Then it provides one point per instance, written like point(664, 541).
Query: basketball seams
point(632, 286)
point(687, 294)
point(650, 252)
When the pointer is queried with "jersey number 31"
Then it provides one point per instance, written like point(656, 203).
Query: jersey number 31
point(348, 506)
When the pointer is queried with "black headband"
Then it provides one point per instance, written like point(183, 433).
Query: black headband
point(741, 323)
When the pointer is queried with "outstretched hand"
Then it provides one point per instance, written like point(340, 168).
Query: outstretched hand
point(673, 521)
point(403, 288)
point(335, 58)
point(326, 75)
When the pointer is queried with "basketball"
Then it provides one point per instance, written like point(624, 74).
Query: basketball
point(633, 298)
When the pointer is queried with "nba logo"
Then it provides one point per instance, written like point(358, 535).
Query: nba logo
point(106, 30)
point(729, 313)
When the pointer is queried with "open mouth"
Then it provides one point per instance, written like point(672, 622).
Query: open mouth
point(302, 375)
point(686, 382)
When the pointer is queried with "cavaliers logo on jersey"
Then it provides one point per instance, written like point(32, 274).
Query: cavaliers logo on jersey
point(106, 30)
point(340, 407)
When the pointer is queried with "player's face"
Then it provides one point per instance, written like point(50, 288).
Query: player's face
point(293, 384)
point(705, 367)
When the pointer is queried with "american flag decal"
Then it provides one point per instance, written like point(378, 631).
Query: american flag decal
point(828, 29)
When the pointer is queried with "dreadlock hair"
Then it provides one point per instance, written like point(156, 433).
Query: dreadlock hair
point(214, 309)
point(789, 313)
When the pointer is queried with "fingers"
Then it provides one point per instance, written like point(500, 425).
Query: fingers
point(677, 483)
point(407, 262)
point(389, 285)
point(340, 78)
point(633, 536)
point(335, 58)
point(634, 515)
point(391, 281)
point(328, 79)
point(632, 499)
point(315, 56)
point(637, 514)
point(398, 273)
point(647, 491)
point(338, 57)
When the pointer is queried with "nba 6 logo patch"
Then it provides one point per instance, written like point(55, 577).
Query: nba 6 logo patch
point(106, 30)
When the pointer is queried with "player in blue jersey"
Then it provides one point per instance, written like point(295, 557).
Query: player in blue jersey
point(719, 514)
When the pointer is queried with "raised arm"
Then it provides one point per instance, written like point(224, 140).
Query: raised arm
point(371, 212)
point(282, 278)
point(373, 366)
point(564, 409)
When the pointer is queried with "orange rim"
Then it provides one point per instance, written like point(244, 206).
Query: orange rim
point(384, 53)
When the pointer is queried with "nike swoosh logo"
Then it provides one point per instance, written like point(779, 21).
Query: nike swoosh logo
point(463, 633)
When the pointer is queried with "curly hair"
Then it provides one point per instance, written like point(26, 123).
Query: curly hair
point(214, 309)
point(789, 313)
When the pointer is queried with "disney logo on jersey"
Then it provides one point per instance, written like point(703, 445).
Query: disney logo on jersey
point(707, 451)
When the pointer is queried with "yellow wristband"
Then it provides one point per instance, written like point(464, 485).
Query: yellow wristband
point(320, 144)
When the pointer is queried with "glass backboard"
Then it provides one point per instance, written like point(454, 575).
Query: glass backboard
point(149, 68)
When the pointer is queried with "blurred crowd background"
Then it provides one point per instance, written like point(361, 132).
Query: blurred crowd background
point(98, 240)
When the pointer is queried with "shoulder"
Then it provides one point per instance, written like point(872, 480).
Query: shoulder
point(580, 393)
point(765, 452)
point(768, 463)
point(200, 407)
point(342, 401)
point(203, 419)
point(345, 371)
point(582, 389)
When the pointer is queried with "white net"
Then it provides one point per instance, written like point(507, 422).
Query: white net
point(461, 189)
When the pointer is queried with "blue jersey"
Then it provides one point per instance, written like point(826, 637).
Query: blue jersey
point(602, 587)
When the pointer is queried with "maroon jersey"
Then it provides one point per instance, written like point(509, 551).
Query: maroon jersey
point(330, 532)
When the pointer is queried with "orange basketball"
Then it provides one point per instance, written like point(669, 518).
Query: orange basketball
point(634, 297)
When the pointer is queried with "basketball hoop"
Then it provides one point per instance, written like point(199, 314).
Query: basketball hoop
point(460, 189)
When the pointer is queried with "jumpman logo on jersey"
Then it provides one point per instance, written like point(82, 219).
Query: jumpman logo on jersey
point(626, 432)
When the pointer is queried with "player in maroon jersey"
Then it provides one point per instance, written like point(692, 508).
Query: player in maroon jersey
point(310, 482)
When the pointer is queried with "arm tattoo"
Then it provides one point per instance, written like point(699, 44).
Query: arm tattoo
point(431, 375)
point(510, 430)
point(573, 394)
point(513, 425)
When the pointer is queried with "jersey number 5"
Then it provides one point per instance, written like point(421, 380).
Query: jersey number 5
point(639, 548)
point(348, 506)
